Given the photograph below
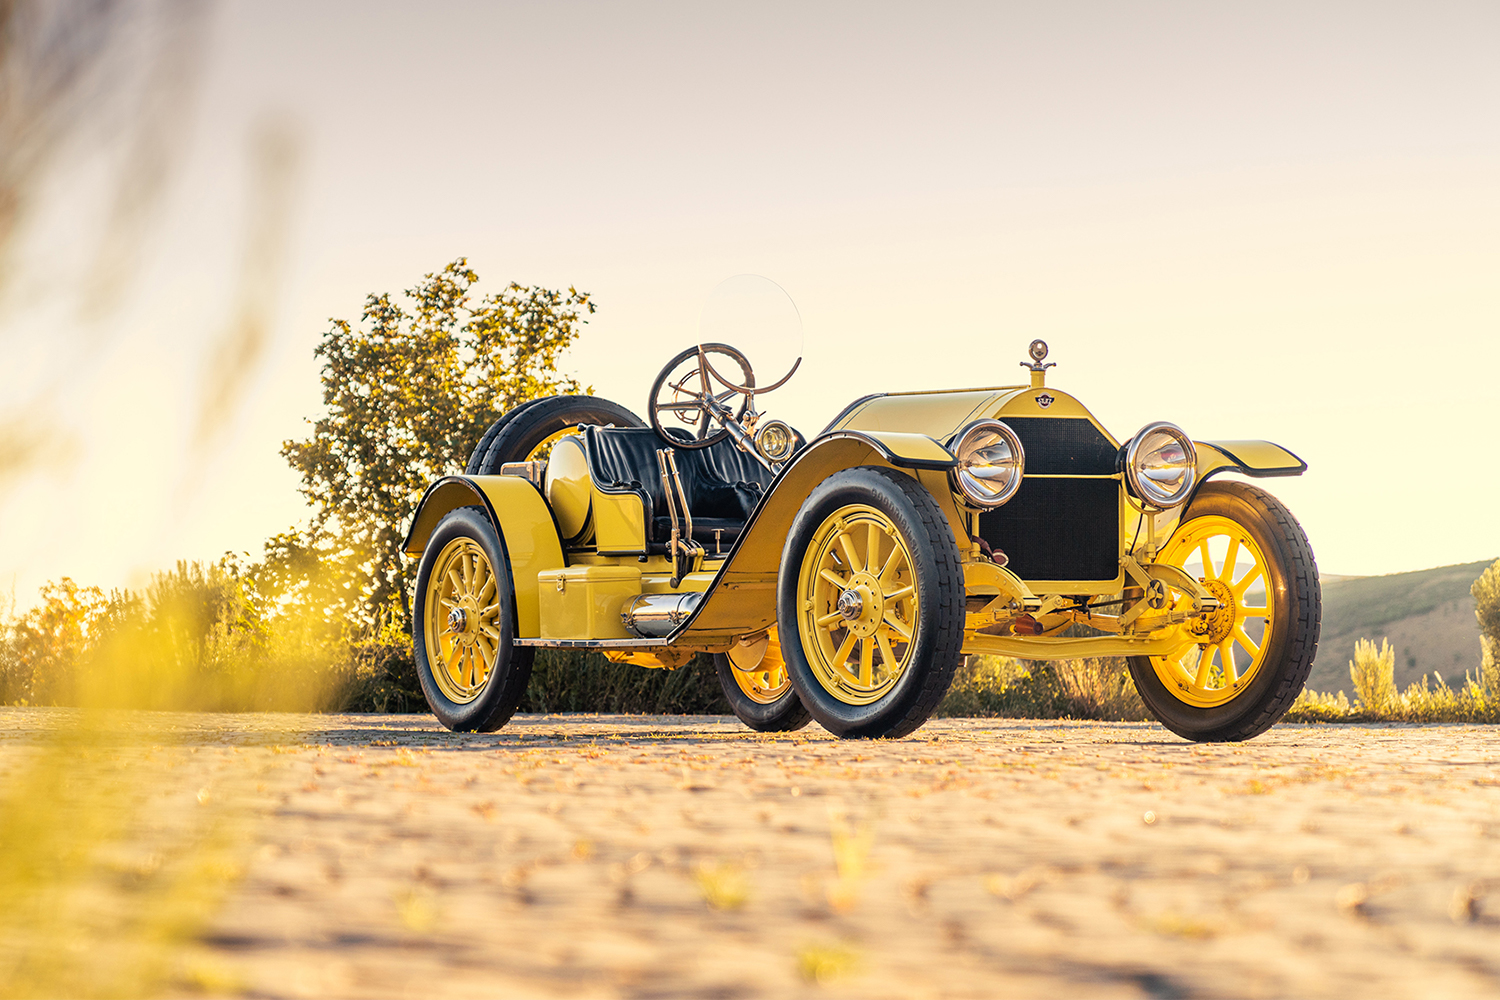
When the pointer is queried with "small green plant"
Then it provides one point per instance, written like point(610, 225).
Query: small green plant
point(1373, 672)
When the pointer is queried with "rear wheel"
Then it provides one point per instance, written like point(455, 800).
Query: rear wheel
point(472, 673)
point(522, 432)
point(1246, 663)
point(870, 576)
point(757, 687)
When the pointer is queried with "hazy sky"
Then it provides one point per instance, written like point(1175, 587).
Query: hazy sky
point(1268, 220)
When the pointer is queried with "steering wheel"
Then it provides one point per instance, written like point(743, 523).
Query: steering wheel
point(692, 392)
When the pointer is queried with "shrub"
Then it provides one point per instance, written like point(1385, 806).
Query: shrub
point(998, 686)
point(1378, 701)
point(1486, 591)
point(566, 680)
point(382, 677)
point(1312, 706)
point(1373, 673)
point(380, 674)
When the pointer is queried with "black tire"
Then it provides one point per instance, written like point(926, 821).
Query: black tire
point(510, 670)
point(783, 715)
point(937, 634)
point(518, 432)
point(1293, 635)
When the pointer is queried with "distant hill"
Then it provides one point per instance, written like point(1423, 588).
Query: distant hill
point(1428, 616)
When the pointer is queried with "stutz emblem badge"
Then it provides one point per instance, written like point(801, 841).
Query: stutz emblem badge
point(1044, 400)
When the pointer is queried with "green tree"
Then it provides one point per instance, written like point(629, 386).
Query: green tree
point(40, 655)
point(407, 395)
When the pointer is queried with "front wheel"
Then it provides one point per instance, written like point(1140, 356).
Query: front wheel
point(472, 673)
point(871, 581)
point(1241, 667)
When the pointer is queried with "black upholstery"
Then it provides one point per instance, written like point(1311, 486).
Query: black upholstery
point(722, 483)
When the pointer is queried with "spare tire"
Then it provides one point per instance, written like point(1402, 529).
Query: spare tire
point(522, 430)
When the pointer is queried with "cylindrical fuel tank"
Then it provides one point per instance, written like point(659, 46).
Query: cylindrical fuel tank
point(654, 616)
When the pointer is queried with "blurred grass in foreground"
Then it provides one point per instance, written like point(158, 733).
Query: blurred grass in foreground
point(200, 638)
point(228, 646)
point(113, 851)
point(117, 841)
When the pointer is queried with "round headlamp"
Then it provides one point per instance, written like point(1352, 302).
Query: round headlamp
point(1161, 465)
point(990, 465)
point(776, 440)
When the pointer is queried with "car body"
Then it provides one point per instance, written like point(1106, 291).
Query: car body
point(651, 546)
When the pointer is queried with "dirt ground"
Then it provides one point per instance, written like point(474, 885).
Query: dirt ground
point(654, 856)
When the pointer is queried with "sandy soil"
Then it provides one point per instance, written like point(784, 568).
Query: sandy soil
point(649, 856)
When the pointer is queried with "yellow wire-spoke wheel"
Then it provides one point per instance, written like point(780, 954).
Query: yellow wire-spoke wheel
point(1224, 650)
point(766, 682)
point(461, 620)
point(858, 600)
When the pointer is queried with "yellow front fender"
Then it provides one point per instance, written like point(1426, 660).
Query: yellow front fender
point(520, 517)
point(742, 598)
point(1259, 459)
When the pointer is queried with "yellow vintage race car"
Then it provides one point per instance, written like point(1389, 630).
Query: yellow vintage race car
point(844, 578)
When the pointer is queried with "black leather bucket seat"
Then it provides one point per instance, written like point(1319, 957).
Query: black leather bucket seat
point(722, 484)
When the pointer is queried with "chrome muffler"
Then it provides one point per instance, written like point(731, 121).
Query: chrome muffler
point(655, 616)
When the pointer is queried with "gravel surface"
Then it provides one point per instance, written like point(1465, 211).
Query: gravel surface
point(672, 856)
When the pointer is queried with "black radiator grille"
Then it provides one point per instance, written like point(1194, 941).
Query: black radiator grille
point(1064, 446)
point(1059, 529)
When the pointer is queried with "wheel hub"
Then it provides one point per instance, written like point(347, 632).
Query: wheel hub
point(1215, 626)
point(861, 606)
point(457, 621)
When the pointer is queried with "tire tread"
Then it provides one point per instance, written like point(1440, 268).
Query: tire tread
point(513, 436)
point(949, 626)
point(1309, 613)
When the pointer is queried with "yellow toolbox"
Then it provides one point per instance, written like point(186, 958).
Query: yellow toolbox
point(584, 602)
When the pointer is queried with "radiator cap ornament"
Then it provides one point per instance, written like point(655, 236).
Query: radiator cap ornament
point(1038, 352)
point(1038, 364)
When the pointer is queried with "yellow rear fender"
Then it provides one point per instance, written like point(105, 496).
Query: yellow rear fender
point(742, 598)
point(521, 518)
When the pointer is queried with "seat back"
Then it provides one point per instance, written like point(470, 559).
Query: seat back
point(721, 483)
